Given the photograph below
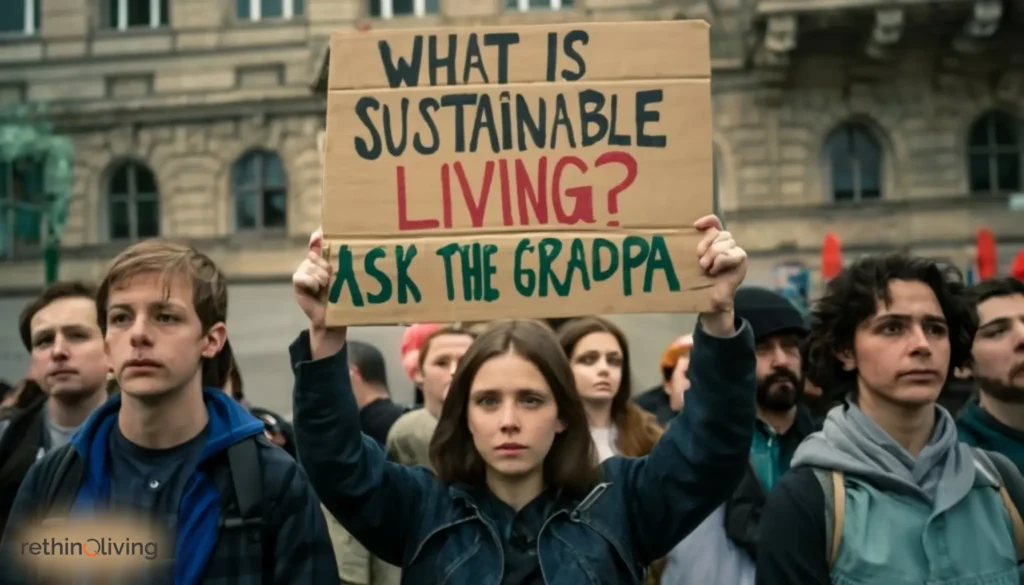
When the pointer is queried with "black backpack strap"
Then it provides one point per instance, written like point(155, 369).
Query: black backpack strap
point(62, 478)
point(247, 479)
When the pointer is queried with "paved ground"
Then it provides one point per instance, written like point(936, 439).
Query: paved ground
point(263, 319)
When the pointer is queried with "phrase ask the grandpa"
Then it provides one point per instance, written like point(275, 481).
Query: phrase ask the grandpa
point(525, 171)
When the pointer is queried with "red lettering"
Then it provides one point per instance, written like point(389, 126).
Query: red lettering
point(506, 197)
point(583, 194)
point(446, 195)
point(476, 208)
point(404, 223)
point(538, 200)
point(526, 202)
point(625, 159)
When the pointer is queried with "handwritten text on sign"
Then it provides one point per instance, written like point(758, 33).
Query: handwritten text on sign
point(465, 164)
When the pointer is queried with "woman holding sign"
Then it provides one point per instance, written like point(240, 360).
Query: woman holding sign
point(517, 498)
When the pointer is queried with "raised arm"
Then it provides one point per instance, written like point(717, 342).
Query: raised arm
point(379, 502)
point(702, 456)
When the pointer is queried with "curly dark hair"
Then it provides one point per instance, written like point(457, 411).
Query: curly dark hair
point(854, 295)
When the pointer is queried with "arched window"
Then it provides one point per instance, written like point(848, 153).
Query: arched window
point(855, 163)
point(133, 202)
point(994, 153)
point(22, 205)
point(260, 190)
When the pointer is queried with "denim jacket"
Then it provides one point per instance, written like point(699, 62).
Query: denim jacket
point(438, 534)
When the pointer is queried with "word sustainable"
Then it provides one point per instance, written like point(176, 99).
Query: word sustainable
point(541, 268)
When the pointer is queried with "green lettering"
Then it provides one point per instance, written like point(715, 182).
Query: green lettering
point(660, 260)
point(634, 251)
point(446, 253)
point(526, 279)
point(491, 294)
point(577, 261)
point(346, 275)
point(467, 272)
point(370, 264)
point(613, 259)
point(406, 285)
point(548, 249)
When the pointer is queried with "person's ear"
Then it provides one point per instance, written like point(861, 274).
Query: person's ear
point(847, 359)
point(214, 340)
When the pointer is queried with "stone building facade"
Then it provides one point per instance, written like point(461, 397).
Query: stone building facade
point(890, 123)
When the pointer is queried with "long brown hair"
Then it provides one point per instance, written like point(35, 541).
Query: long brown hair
point(638, 430)
point(569, 464)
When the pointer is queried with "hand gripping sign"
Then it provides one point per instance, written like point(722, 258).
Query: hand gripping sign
point(523, 171)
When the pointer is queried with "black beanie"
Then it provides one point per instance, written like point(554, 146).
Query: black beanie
point(768, 312)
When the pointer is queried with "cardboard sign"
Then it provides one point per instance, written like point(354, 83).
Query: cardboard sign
point(524, 171)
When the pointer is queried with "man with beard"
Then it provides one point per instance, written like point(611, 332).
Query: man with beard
point(995, 421)
point(782, 420)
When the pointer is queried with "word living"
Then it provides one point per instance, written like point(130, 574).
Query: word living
point(547, 267)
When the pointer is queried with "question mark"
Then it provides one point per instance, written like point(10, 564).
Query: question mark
point(625, 159)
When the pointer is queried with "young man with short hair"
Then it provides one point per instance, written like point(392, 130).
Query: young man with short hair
point(996, 420)
point(188, 458)
point(59, 330)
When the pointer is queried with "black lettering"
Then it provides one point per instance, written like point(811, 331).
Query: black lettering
point(393, 148)
point(484, 119)
point(438, 62)
point(506, 120)
point(426, 105)
point(575, 37)
point(459, 101)
point(404, 72)
point(552, 55)
point(614, 138)
point(643, 116)
point(474, 60)
point(362, 106)
point(526, 122)
point(592, 117)
point(562, 119)
point(502, 41)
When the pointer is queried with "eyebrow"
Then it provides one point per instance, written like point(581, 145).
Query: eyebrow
point(152, 305)
point(45, 331)
point(1000, 321)
point(903, 317)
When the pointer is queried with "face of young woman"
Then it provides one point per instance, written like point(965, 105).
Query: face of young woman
point(597, 366)
point(513, 416)
point(902, 352)
point(443, 355)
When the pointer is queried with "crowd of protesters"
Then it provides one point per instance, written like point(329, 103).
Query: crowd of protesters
point(780, 447)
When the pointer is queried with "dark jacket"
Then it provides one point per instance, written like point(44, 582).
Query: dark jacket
point(655, 401)
point(205, 552)
point(980, 429)
point(19, 447)
point(443, 534)
point(743, 508)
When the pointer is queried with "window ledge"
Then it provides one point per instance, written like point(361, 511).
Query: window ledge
point(132, 31)
point(274, 22)
point(8, 38)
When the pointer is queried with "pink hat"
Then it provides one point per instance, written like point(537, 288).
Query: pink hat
point(412, 340)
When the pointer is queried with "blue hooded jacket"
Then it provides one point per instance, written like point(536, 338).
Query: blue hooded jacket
point(200, 506)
